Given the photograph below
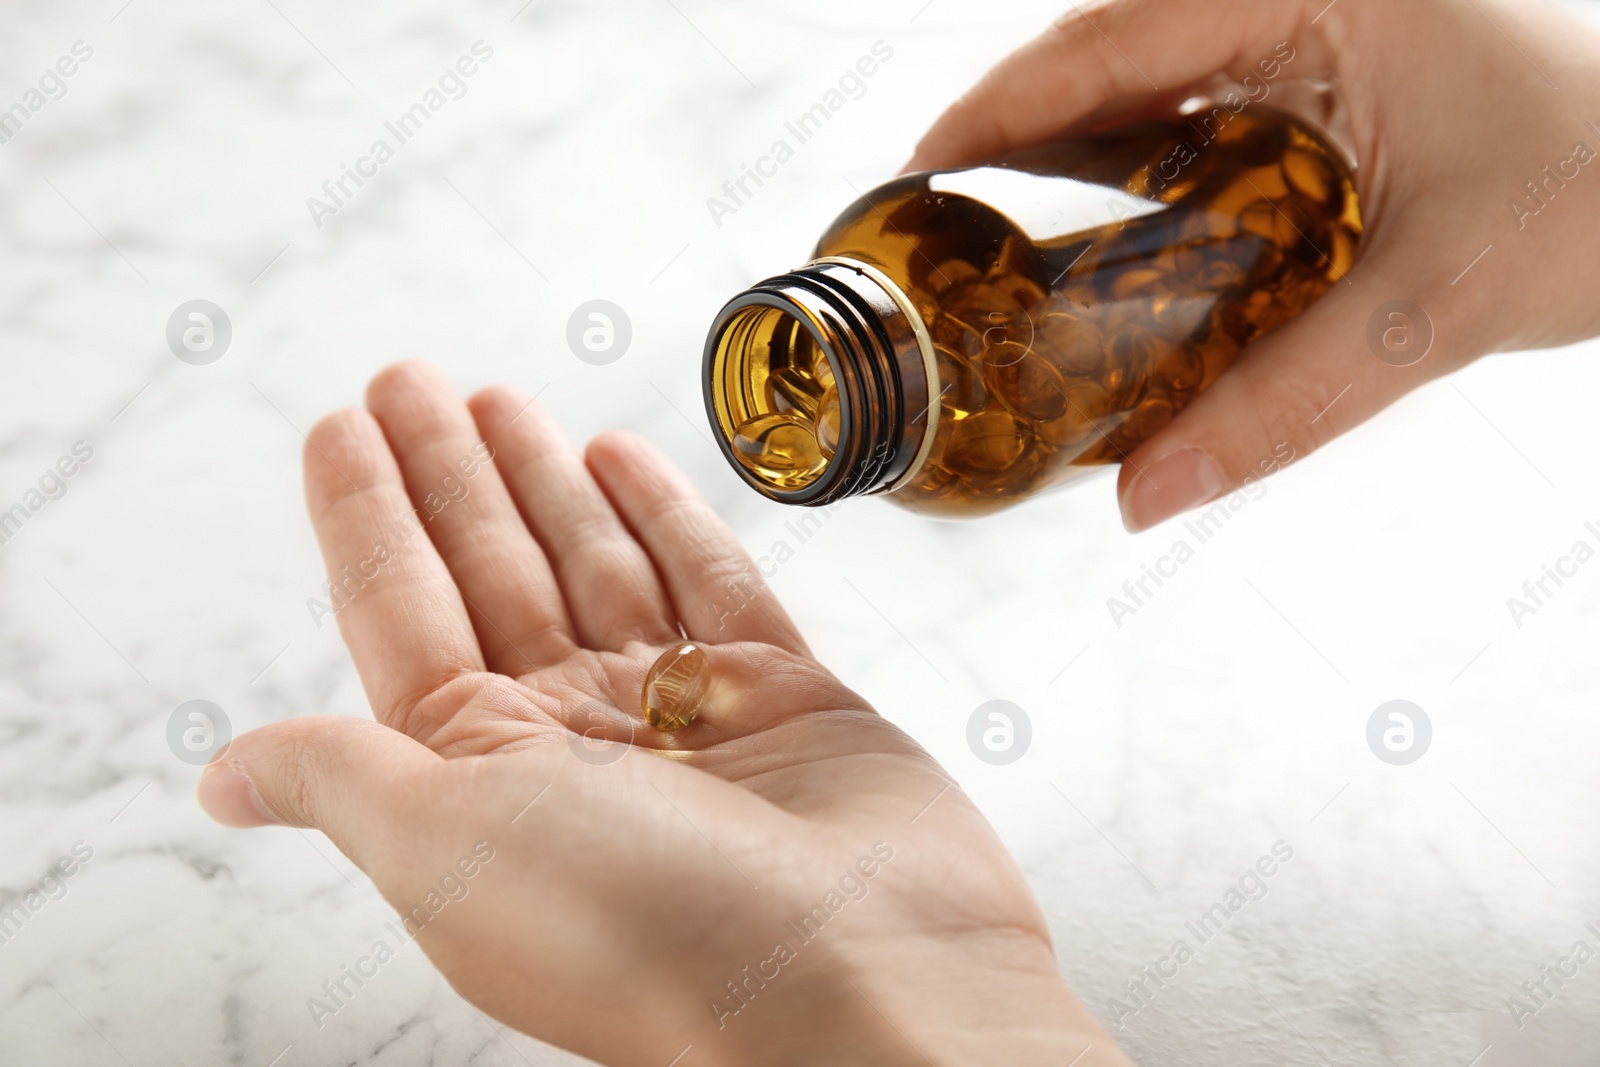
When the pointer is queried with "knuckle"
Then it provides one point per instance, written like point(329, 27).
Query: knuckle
point(303, 759)
point(1290, 410)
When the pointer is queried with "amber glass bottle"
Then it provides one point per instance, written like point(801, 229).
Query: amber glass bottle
point(967, 338)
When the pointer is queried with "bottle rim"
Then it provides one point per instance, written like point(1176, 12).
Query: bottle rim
point(882, 361)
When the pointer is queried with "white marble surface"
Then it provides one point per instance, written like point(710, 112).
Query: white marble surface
point(1168, 757)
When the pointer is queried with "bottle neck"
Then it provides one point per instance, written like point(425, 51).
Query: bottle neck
point(882, 368)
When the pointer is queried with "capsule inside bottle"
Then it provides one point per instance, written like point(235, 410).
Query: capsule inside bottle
point(778, 408)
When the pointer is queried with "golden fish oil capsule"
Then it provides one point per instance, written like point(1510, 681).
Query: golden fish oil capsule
point(966, 338)
point(782, 448)
point(675, 687)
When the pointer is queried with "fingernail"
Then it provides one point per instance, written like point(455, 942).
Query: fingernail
point(227, 795)
point(1174, 483)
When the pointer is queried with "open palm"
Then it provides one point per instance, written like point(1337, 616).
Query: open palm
point(789, 879)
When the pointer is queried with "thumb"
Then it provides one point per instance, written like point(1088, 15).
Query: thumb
point(1354, 352)
point(350, 778)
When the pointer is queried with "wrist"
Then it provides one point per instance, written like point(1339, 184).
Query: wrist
point(992, 999)
point(995, 999)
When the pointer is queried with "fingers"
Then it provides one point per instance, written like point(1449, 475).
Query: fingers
point(353, 779)
point(714, 586)
point(395, 601)
point(1289, 393)
point(1136, 48)
point(610, 584)
point(509, 589)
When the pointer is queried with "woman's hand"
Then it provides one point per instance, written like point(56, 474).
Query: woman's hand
point(1455, 106)
point(651, 891)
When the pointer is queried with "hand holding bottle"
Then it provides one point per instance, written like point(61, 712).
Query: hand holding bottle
point(1474, 125)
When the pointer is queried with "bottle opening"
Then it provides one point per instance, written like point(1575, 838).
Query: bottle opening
point(776, 400)
point(818, 384)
